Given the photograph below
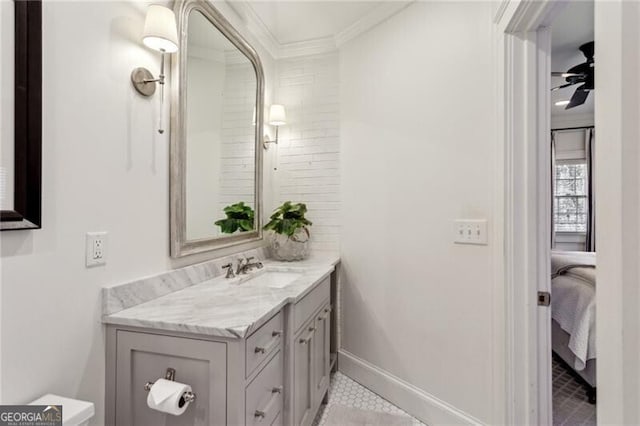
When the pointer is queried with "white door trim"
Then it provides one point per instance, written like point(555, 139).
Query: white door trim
point(523, 61)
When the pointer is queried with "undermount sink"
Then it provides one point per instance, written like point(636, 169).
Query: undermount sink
point(274, 279)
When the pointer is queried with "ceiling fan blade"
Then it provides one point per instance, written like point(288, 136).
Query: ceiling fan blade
point(565, 74)
point(579, 97)
point(580, 70)
point(562, 86)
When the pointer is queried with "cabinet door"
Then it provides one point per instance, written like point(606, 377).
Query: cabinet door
point(321, 346)
point(143, 357)
point(303, 358)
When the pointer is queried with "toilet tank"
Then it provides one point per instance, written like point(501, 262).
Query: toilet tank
point(74, 411)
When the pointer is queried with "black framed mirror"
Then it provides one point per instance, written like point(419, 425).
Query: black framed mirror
point(22, 178)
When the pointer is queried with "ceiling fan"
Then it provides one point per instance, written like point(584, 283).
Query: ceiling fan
point(580, 74)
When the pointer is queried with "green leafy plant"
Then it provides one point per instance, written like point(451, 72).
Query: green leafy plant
point(239, 217)
point(288, 218)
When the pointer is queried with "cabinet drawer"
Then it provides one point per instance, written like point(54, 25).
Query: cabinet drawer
point(264, 395)
point(311, 303)
point(263, 343)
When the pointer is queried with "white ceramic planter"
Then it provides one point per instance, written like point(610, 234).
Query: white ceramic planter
point(291, 248)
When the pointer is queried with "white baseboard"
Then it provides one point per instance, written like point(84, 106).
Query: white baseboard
point(423, 406)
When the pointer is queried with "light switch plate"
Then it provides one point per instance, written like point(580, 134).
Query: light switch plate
point(96, 249)
point(470, 231)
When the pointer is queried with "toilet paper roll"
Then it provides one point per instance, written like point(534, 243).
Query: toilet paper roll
point(167, 396)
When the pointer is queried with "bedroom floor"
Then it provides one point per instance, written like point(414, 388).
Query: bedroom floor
point(570, 404)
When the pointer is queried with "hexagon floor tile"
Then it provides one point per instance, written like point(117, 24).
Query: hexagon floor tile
point(344, 391)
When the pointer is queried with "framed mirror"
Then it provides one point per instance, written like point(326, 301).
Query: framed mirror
point(20, 114)
point(216, 137)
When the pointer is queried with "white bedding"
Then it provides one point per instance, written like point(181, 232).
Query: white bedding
point(573, 304)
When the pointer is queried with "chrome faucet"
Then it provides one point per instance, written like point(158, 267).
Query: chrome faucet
point(229, 268)
point(247, 265)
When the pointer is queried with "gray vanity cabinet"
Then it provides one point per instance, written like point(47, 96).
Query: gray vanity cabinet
point(277, 375)
point(143, 357)
point(235, 381)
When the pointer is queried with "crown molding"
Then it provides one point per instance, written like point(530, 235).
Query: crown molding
point(318, 45)
point(375, 17)
point(500, 10)
point(257, 27)
point(315, 46)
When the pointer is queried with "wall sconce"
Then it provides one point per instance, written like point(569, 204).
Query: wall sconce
point(277, 118)
point(160, 33)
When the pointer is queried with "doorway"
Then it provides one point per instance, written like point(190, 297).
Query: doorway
point(573, 216)
point(524, 83)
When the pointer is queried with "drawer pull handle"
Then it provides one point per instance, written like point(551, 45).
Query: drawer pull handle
point(324, 317)
point(307, 339)
point(273, 343)
point(261, 414)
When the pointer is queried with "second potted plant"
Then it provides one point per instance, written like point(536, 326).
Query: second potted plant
point(239, 218)
point(290, 238)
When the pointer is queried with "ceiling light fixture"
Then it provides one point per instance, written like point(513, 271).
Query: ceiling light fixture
point(562, 103)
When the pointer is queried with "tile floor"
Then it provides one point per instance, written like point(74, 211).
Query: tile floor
point(344, 391)
point(570, 404)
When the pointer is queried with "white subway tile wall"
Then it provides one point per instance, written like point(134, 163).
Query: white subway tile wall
point(238, 135)
point(308, 168)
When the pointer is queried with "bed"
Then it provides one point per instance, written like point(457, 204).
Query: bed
point(573, 313)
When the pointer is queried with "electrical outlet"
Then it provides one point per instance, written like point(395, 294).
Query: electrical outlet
point(96, 248)
point(470, 232)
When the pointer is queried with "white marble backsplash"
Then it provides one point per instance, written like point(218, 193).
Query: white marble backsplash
point(123, 296)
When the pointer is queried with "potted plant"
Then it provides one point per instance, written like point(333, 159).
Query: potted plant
point(239, 217)
point(290, 237)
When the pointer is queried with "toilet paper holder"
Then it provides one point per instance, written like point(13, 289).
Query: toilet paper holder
point(171, 375)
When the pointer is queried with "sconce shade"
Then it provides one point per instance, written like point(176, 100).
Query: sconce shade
point(160, 32)
point(277, 115)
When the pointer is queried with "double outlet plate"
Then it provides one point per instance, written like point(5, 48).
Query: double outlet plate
point(96, 249)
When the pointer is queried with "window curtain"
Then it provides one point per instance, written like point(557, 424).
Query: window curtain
point(553, 189)
point(591, 200)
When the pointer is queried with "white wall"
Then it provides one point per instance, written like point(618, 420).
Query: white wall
point(104, 168)
point(417, 152)
point(237, 156)
point(309, 145)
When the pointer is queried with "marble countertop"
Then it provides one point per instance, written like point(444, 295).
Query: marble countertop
point(231, 308)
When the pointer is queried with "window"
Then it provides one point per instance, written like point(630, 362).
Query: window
point(570, 197)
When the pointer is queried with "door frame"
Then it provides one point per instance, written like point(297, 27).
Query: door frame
point(523, 56)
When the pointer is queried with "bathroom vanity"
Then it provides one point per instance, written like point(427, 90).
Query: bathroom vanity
point(255, 349)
